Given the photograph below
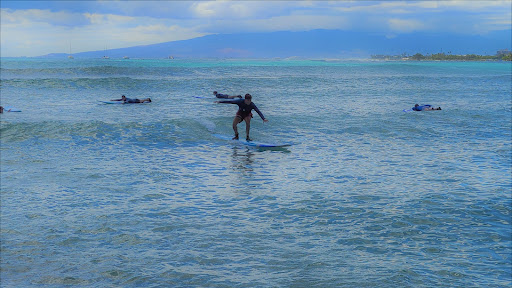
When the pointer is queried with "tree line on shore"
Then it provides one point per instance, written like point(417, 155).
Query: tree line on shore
point(447, 57)
point(469, 57)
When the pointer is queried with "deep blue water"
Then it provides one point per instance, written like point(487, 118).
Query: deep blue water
point(97, 195)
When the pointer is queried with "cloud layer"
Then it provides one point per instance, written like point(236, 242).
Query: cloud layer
point(32, 28)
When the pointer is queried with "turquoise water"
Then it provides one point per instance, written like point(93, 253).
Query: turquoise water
point(97, 195)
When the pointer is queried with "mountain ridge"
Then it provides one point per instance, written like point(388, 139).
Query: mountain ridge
point(309, 44)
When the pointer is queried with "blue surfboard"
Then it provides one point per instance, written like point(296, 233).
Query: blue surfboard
point(215, 98)
point(252, 143)
point(112, 102)
point(121, 102)
point(11, 109)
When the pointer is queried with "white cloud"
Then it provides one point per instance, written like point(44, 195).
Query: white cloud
point(205, 9)
point(22, 36)
point(298, 23)
point(60, 18)
point(225, 9)
point(405, 25)
point(476, 6)
point(500, 20)
point(425, 6)
point(387, 7)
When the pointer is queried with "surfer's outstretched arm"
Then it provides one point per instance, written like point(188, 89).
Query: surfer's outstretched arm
point(123, 98)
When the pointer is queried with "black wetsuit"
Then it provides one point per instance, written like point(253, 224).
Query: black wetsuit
point(244, 110)
point(130, 100)
point(224, 96)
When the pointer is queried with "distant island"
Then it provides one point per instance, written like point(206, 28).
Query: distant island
point(314, 44)
point(501, 55)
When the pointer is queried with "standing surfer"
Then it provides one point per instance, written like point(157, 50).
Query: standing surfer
point(245, 106)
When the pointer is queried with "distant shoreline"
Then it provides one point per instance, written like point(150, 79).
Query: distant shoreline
point(373, 58)
point(503, 55)
point(403, 58)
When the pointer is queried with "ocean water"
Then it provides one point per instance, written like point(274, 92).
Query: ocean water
point(96, 195)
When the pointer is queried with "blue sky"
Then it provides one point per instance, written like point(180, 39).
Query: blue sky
point(34, 28)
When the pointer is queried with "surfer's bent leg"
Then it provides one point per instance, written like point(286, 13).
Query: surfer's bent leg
point(237, 120)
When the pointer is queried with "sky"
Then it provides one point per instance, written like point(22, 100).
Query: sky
point(35, 28)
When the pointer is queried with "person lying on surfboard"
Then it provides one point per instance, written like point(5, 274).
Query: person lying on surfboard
point(226, 96)
point(424, 107)
point(129, 100)
point(245, 106)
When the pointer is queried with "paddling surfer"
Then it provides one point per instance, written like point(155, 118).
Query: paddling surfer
point(226, 96)
point(424, 107)
point(245, 106)
point(129, 100)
